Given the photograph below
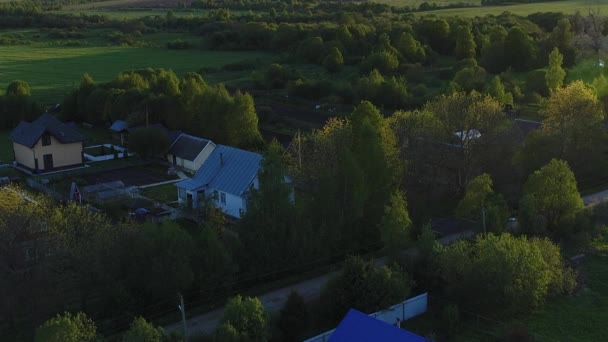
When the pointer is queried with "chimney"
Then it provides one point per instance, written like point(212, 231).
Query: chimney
point(221, 159)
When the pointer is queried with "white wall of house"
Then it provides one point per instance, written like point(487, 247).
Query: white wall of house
point(63, 154)
point(193, 165)
point(230, 204)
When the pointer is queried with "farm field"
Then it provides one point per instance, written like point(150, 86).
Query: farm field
point(568, 7)
point(52, 71)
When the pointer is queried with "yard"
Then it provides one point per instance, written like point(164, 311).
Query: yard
point(132, 176)
point(163, 193)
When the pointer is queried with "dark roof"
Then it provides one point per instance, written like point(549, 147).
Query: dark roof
point(119, 126)
point(171, 134)
point(359, 327)
point(188, 147)
point(227, 169)
point(28, 134)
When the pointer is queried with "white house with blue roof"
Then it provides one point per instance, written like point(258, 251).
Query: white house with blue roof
point(226, 176)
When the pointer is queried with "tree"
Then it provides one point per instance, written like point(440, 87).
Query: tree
point(555, 73)
point(519, 49)
point(364, 287)
point(18, 88)
point(465, 43)
point(493, 50)
point(270, 216)
point(142, 331)
point(148, 142)
point(226, 332)
point(497, 90)
point(481, 204)
point(410, 49)
point(334, 60)
point(312, 49)
point(248, 317)
point(502, 272)
point(395, 226)
point(554, 193)
point(67, 328)
point(294, 318)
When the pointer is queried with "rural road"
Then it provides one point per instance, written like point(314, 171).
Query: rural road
point(273, 301)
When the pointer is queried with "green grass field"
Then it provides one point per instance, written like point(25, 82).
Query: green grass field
point(52, 71)
point(163, 193)
point(567, 6)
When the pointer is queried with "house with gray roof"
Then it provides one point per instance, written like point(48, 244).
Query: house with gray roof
point(47, 144)
point(226, 177)
point(189, 152)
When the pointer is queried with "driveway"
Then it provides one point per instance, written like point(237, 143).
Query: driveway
point(596, 198)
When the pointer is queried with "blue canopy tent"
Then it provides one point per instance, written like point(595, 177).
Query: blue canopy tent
point(359, 327)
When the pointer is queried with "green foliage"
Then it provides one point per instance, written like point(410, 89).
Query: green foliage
point(248, 319)
point(18, 88)
point(475, 196)
point(451, 317)
point(67, 328)
point(364, 287)
point(142, 331)
point(555, 74)
point(294, 319)
point(493, 50)
point(270, 216)
point(312, 50)
point(503, 273)
point(334, 60)
point(497, 90)
point(226, 332)
point(554, 194)
point(384, 61)
point(465, 43)
point(410, 49)
point(471, 77)
point(395, 226)
point(149, 142)
point(520, 51)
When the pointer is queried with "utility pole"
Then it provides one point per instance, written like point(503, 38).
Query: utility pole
point(182, 309)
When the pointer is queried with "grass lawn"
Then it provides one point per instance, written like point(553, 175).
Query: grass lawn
point(52, 71)
point(162, 193)
point(567, 6)
point(6, 148)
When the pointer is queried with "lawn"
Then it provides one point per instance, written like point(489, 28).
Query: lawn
point(163, 193)
point(6, 148)
point(52, 71)
point(568, 7)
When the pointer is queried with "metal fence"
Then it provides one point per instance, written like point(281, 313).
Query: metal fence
point(403, 311)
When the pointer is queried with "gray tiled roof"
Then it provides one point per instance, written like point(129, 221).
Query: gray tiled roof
point(227, 169)
point(188, 147)
point(28, 134)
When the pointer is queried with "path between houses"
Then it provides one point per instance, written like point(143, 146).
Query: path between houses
point(274, 301)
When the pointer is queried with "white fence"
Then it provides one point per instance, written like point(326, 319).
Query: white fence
point(403, 311)
point(120, 153)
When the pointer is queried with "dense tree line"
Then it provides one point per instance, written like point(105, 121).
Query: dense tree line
point(186, 104)
point(17, 105)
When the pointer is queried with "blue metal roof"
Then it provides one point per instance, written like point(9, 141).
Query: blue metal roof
point(227, 169)
point(119, 126)
point(359, 327)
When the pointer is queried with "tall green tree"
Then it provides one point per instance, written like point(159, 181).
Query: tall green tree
point(395, 226)
point(271, 215)
point(334, 61)
point(67, 328)
point(465, 43)
point(248, 318)
point(18, 88)
point(496, 89)
point(554, 193)
point(364, 287)
point(481, 204)
point(519, 49)
point(555, 73)
point(142, 331)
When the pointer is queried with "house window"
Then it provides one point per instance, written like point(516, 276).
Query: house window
point(46, 140)
point(223, 198)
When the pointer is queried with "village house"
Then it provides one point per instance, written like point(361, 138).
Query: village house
point(47, 144)
point(189, 152)
point(226, 178)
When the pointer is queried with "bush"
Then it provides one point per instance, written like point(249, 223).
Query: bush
point(179, 44)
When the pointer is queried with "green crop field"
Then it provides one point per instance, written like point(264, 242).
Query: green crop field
point(567, 6)
point(52, 71)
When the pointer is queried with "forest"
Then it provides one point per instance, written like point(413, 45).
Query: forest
point(425, 116)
